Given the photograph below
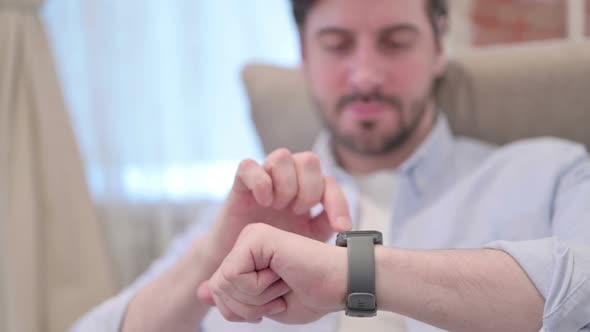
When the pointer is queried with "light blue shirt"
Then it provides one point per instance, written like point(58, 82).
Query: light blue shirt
point(530, 199)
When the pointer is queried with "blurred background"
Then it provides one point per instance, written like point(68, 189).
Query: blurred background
point(153, 93)
point(156, 99)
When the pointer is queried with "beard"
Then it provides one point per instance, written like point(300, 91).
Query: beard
point(409, 122)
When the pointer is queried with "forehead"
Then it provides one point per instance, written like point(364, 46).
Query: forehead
point(366, 15)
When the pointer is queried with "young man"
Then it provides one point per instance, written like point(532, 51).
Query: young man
point(371, 67)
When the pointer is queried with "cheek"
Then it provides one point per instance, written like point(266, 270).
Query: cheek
point(410, 79)
point(327, 80)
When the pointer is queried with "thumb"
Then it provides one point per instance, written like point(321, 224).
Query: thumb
point(204, 294)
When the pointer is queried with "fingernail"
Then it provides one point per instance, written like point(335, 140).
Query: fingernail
point(277, 310)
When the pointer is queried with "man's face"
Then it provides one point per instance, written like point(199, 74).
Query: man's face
point(370, 66)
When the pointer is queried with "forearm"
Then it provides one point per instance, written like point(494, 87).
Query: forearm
point(458, 290)
point(170, 303)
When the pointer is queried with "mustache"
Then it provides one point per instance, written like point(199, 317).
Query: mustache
point(390, 100)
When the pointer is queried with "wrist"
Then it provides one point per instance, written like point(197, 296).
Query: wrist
point(340, 276)
point(361, 246)
point(170, 299)
point(204, 256)
point(389, 264)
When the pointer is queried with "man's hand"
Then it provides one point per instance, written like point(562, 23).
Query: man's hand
point(454, 290)
point(281, 275)
point(281, 193)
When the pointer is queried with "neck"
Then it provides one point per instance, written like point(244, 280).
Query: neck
point(361, 164)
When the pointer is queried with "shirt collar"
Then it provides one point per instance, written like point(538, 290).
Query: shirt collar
point(430, 157)
point(421, 168)
point(323, 149)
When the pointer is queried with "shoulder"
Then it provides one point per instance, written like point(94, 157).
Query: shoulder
point(544, 155)
point(543, 145)
point(469, 148)
point(536, 160)
point(546, 150)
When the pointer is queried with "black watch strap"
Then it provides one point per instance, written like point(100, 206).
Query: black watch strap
point(361, 300)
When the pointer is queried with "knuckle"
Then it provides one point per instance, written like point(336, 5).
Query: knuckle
point(286, 191)
point(282, 153)
point(215, 285)
point(258, 301)
point(215, 290)
point(245, 165)
point(286, 187)
point(248, 290)
point(253, 229)
point(309, 159)
point(246, 231)
point(254, 292)
point(262, 184)
point(276, 157)
point(269, 295)
point(226, 280)
point(309, 198)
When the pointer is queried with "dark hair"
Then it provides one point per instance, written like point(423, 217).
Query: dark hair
point(436, 9)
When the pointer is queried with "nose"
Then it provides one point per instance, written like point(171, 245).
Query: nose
point(366, 74)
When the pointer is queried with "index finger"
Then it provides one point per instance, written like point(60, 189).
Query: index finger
point(336, 206)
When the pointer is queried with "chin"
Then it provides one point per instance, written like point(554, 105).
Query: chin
point(373, 137)
point(365, 146)
point(373, 143)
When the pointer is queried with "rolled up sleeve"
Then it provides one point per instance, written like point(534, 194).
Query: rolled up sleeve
point(561, 274)
point(108, 316)
point(560, 266)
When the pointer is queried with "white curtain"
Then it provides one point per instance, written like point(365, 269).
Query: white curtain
point(155, 94)
point(53, 264)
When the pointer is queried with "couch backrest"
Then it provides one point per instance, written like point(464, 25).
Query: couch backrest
point(498, 95)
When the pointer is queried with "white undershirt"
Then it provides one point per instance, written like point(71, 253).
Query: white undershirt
point(376, 195)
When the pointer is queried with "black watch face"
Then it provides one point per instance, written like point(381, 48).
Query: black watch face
point(361, 305)
point(343, 237)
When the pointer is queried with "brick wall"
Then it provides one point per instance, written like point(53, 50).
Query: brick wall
point(513, 21)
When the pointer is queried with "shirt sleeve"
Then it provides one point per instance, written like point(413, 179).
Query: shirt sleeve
point(108, 316)
point(560, 266)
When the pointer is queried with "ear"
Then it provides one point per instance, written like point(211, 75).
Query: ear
point(303, 67)
point(440, 60)
point(440, 65)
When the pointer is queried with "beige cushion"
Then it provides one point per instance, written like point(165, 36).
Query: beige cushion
point(498, 95)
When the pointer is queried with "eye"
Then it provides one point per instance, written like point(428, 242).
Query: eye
point(336, 43)
point(396, 43)
point(393, 45)
point(399, 40)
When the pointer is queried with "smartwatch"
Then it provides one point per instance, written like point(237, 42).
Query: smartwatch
point(361, 299)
